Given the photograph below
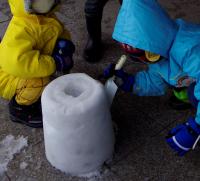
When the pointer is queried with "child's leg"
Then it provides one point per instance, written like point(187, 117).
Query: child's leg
point(25, 107)
point(30, 90)
point(93, 16)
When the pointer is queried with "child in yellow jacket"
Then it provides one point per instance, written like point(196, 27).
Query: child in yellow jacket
point(34, 46)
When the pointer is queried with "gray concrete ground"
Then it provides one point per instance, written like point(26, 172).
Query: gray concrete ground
point(141, 152)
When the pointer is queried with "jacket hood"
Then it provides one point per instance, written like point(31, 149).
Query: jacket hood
point(17, 7)
point(186, 48)
point(30, 7)
point(145, 25)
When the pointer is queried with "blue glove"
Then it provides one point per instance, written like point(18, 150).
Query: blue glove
point(109, 71)
point(124, 80)
point(63, 64)
point(62, 54)
point(64, 47)
point(184, 137)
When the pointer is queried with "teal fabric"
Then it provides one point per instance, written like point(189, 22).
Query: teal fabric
point(144, 24)
point(185, 53)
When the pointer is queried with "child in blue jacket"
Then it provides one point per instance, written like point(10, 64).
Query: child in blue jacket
point(173, 49)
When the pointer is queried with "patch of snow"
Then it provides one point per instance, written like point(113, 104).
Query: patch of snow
point(9, 146)
point(91, 175)
point(97, 175)
point(23, 165)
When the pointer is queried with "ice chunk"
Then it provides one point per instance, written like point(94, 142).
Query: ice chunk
point(8, 147)
point(23, 165)
point(78, 129)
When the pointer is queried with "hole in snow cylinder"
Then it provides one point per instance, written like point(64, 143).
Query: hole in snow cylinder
point(78, 130)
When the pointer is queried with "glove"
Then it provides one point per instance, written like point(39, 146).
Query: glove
point(62, 55)
point(123, 80)
point(184, 137)
point(109, 71)
point(63, 64)
point(64, 47)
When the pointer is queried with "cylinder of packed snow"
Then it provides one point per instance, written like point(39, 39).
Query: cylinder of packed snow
point(78, 130)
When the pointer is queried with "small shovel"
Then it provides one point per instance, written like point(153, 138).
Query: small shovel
point(110, 86)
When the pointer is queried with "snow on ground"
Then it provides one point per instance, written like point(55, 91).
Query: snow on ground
point(9, 146)
point(23, 165)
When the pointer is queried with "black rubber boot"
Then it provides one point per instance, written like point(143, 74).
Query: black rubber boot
point(93, 16)
point(28, 115)
point(93, 47)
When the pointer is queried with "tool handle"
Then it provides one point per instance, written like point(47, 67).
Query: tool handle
point(120, 62)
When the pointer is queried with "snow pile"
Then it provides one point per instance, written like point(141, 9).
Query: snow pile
point(78, 129)
point(8, 147)
point(23, 165)
point(91, 175)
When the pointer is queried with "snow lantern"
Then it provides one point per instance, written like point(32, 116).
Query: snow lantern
point(78, 130)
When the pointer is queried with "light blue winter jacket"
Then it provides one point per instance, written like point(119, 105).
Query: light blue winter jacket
point(144, 24)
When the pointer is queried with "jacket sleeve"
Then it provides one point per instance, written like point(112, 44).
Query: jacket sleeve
point(152, 82)
point(197, 96)
point(19, 57)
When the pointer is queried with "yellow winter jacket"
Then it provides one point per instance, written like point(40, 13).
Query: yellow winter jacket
point(26, 48)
